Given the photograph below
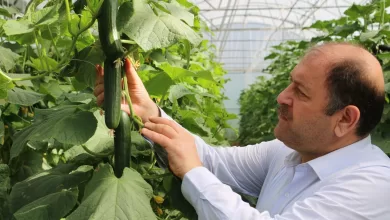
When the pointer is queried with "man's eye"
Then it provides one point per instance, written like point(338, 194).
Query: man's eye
point(299, 92)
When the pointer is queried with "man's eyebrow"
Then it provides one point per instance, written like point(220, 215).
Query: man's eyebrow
point(300, 84)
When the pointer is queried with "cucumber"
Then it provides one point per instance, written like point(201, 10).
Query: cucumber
point(108, 34)
point(122, 144)
point(112, 93)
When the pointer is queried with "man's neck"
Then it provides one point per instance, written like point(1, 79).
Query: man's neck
point(337, 144)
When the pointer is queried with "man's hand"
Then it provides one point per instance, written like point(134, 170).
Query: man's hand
point(179, 144)
point(143, 106)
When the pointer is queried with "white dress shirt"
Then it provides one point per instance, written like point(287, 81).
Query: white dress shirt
point(350, 183)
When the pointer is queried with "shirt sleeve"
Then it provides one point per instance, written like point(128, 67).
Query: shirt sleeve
point(349, 197)
point(242, 168)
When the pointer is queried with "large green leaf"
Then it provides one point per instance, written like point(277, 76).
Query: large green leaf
point(46, 183)
point(23, 97)
point(179, 12)
point(8, 58)
point(159, 85)
point(66, 124)
point(45, 16)
point(101, 142)
point(152, 31)
point(44, 63)
point(5, 84)
point(14, 27)
point(107, 197)
point(178, 91)
point(87, 59)
point(80, 97)
point(52, 206)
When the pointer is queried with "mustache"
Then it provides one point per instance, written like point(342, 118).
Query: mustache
point(283, 111)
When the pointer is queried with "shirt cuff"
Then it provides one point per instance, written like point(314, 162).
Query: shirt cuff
point(163, 114)
point(197, 181)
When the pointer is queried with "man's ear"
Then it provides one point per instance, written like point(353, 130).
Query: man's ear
point(348, 119)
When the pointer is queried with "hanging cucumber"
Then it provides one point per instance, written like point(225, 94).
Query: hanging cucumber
point(112, 93)
point(112, 48)
point(122, 143)
point(108, 34)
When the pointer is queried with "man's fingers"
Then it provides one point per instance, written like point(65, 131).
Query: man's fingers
point(100, 99)
point(170, 123)
point(163, 129)
point(98, 89)
point(131, 74)
point(99, 75)
point(156, 137)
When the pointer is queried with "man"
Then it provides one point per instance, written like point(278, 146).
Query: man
point(322, 164)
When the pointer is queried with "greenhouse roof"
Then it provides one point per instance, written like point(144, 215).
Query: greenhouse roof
point(244, 30)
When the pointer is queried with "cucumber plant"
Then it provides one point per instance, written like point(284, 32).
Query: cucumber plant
point(57, 149)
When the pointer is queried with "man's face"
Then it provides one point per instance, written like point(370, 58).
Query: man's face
point(303, 123)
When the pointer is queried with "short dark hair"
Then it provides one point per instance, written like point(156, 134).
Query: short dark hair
point(348, 85)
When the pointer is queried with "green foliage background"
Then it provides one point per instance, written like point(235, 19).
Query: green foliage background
point(367, 25)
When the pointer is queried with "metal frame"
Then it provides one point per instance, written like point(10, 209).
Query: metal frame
point(284, 21)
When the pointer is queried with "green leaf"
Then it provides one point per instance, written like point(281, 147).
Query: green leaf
point(179, 12)
point(176, 72)
point(74, 24)
point(45, 16)
point(176, 198)
point(356, 11)
point(86, 18)
point(23, 97)
point(152, 31)
point(368, 35)
point(46, 183)
point(101, 142)
point(124, 14)
point(94, 5)
point(107, 197)
point(80, 97)
point(13, 27)
point(52, 206)
point(139, 142)
point(8, 11)
point(85, 39)
point(385, 57)
point(178, 91)
point(86, 70)
point(5, 84)
point(51, 88)
point(193, 126)
point(159, 85)
point(8, 58)
point(44, 63)
point(66, 124)
point(387, 87)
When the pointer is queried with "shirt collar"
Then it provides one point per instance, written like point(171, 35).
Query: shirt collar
point(342, 158)
point(337, 160)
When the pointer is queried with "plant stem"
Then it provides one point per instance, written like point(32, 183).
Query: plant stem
point(54, 44)
point(94, 153)
point(68, 17)
point(30, 77)
point(75, 40)
point(128, 42)
point(134, 117)
point(38, 50)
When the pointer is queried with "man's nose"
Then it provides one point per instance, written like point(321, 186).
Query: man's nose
point(285, 97)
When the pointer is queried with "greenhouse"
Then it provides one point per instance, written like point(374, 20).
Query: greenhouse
point(194, 109)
